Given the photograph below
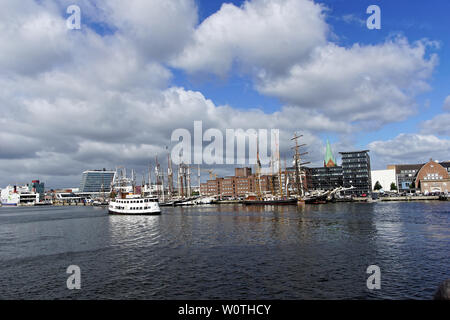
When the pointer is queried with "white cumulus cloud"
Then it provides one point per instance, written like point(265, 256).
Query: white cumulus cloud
point(265, 34)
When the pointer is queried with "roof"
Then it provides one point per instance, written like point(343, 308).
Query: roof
point(329, 154)
point(445, 164)
point(346, 152)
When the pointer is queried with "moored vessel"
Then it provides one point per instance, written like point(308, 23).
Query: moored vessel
point(128, 201)
point(18, 196)
point(134, 205)
point(268, 201)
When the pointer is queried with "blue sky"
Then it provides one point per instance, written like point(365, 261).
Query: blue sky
point(415, 20)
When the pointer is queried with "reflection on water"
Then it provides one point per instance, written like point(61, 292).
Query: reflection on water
point(227, 251)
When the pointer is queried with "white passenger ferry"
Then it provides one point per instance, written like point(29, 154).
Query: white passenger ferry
point(134, 205)
point(128, 201)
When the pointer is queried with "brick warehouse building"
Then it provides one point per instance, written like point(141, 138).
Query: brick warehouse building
point(244, 182)
point(433, 177)
point(406, 174)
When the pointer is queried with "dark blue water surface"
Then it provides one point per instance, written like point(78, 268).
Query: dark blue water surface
point(227, 252)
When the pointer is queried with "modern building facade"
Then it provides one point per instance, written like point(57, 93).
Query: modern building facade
point(384, 177)
point(37, 187)
point(324, 178)
point(405, 175)
point(356, 172)
point(96, 180)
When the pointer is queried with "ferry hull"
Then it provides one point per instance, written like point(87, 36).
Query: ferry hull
point(154, 213)
point(270, 202)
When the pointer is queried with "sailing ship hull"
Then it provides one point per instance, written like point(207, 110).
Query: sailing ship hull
point(147, 213)
point(270, 202)
point(316, 200)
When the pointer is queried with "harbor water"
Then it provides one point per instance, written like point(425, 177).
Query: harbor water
point(227, 252)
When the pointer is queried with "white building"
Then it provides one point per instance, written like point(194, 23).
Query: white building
point(384, 177)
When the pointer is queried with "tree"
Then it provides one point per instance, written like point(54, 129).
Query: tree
point(377, 186)
point(412, 185)
point(393, 187)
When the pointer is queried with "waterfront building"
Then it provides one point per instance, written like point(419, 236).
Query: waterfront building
point(384, 177)
point(97, 180)
point(241, 184)
point(356, 172)
point(433, 177)
point(324, 178)
point(37, 187)
point(405, 174)
point(243, 172)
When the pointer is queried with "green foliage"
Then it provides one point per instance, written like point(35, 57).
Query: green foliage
point(393, 187)
point(377, 186)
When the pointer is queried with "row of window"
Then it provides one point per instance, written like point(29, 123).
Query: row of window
point(356, 166)
point(135, 201)
point(132, 208)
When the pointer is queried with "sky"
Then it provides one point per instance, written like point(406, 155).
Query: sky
point(111, 93)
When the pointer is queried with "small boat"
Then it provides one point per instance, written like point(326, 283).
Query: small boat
point(197, 201)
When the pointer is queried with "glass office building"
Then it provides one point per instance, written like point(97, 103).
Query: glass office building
point(356, 172)
point(324, 178)
point(96, 181)
point(38, 187)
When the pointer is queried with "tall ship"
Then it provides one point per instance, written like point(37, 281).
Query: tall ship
point(282, 195)
point(127, 199)
point(19, 195)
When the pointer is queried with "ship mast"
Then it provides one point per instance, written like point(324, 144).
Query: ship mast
point(169, 175)
point(157, 177)
point(199, 181)
point(298, 164)
point(280, 183)
point(271, 176)
point(286, 178)
point(150, 179)
point(258, 171)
